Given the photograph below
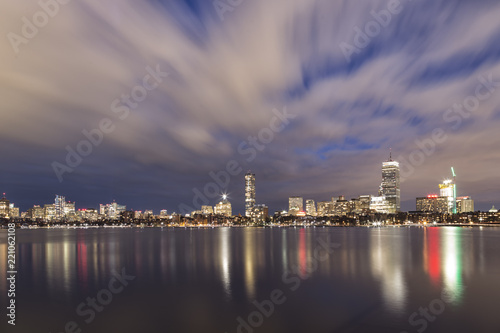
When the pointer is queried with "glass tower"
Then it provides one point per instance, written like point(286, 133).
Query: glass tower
point(249, 193)
point(390, 186)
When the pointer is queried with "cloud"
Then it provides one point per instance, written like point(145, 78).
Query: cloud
point(225, 78)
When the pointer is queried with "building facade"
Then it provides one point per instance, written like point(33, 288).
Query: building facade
point(249, 193)
point(295, 205)
point(447, 189)
point(310, 207)
point(432, 204)
point(465, 204)
point(390, 186)
point(224, 207)
point(4, 207)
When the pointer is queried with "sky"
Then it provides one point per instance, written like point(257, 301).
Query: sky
point(146, 102)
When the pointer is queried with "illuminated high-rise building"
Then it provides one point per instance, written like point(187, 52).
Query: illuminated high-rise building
point(223, 207)
point(49, 212)
point(249, 194)
point(325, 208)
point(295, 205)
point(390, 186)
point(36, 212)
point(4, 207)
point(207, 210)
point(260, 213)
point(112, 211)
point(447, 189)
point(310, 207)
point(13, 211)
point(60, 206)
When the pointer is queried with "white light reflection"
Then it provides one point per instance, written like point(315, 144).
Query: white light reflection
point(225, 259)
point(452, 264)
point(249, 248)
point(387, 266)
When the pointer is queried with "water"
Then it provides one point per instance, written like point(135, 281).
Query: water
point(208, 280)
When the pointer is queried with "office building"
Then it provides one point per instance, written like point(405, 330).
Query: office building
point(36, 212)
point(447, 189)
point(249, 193)
point(13, 211)
point(207, 210)
point(380, 204)
point(390, 186)
point(295, 205)
point(49, 212)
point(364, 203)
point(432, 204)
point(90, 214)
point(59, 206)
point(260, 213)
point(465, 204)
point(224, 207)
point(112, 211)
point(4, 207)
point(325, 208)
point(341, 206)
point(310, 207)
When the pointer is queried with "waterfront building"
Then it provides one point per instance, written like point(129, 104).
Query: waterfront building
point(433, 204)
point(295, 205)
point(249, 193)
point(90, 214)
point(224, 207)
point(59, 206)
point(447, 189)
point(4, 207)
point(207, 210)
point(310, 207)
point(36, 212)
point(390, 186)
point(380, 204)
point(325, 208)
point(13, 211)
point(49, 212)
point(364, 203)
point(260, 213)
point(465, 204)
point(112, 211)
point(340, 206)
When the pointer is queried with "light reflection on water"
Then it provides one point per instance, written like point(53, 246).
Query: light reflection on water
point(376, 278)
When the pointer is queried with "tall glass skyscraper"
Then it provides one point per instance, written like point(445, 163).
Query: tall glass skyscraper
point(390, 186)
point(249, 194)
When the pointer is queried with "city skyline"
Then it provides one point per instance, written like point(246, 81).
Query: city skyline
point(145, 116)
point(387, 200)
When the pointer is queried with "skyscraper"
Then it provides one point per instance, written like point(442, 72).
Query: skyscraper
point(447, 189)
point(249, 193)
point(60, 205)
point(390, 186)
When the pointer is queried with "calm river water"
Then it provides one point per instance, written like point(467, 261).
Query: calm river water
point(392, 279)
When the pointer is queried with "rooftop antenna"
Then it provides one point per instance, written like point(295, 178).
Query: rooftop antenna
point(390, 154)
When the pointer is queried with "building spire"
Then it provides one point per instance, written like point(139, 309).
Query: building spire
point(390, 154)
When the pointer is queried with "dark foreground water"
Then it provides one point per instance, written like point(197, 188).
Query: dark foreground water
point(255, 280)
